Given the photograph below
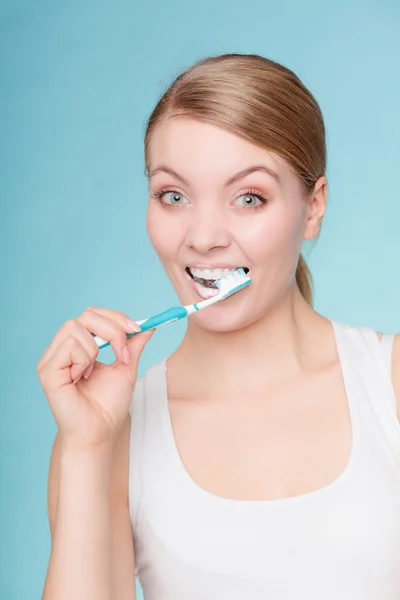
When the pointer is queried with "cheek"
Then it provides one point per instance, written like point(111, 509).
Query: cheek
point(277, 234)
point(164, 233)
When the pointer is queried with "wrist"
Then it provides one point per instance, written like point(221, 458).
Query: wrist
point(78, 449)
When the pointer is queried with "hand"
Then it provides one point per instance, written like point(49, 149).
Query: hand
point(90, 400)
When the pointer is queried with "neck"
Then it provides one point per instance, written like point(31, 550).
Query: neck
point(283, 344)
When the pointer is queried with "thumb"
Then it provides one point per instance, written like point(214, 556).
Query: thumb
point(136, 345)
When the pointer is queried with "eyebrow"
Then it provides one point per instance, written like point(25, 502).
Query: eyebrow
point(233, 179)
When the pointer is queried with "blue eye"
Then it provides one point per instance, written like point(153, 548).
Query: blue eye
point(175, 198)
point(250, 199)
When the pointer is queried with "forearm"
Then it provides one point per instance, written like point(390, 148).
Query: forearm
point(80, 560)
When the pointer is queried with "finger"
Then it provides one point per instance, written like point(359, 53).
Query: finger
point(73, 328)
point(66, 365)
point(106, 328)
point(84, 336)
point(91, 325)
point(137, 343)
point(60, 335)
point(115, 315)
point(86, 374)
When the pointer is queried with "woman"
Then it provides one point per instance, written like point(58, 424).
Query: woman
point(262, 458)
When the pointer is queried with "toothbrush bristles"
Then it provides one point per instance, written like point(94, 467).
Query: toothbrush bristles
point(234, 280)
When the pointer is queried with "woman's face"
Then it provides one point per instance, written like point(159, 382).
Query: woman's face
point(220, 202)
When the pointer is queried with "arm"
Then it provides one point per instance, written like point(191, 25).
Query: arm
point(92, 547)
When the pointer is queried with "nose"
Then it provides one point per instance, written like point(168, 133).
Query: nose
point(207, 231)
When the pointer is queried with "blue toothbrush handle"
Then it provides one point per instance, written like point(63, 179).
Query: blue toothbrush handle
point(167, 316)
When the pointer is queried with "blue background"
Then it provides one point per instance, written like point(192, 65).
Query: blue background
point(78, 80)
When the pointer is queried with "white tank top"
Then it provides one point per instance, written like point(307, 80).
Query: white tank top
point(340, 542)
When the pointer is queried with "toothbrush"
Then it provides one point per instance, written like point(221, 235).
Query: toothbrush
point(228, 285)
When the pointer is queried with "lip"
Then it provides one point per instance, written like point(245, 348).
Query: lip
point(211, 267)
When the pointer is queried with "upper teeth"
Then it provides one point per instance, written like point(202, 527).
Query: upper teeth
point(210, 273)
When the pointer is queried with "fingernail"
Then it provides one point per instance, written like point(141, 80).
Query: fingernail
point(132, 326)
point(77, 379)
point(126, 355)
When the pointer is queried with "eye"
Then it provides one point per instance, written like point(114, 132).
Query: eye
point(251, 199)
point(171, 197)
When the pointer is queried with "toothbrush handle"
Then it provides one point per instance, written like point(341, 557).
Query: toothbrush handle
point(167, 316)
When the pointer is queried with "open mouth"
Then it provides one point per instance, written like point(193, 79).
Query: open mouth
point(207, 278)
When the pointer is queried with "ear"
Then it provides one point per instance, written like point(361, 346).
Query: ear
point(316, 206)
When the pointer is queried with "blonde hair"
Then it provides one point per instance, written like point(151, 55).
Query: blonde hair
point(261, 101)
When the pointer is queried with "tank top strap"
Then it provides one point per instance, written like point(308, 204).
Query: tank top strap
point(387, 340)
point(370, 364)
point(382, 351)
point(145, 454)
point(146, 437)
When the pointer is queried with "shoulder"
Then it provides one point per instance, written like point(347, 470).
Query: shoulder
point(395, 368)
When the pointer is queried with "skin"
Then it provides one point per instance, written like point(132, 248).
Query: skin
point(255, 389)
point(268, 331)
point(256, 384)
point(265, 330)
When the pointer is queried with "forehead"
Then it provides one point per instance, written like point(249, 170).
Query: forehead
point(196, 148)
